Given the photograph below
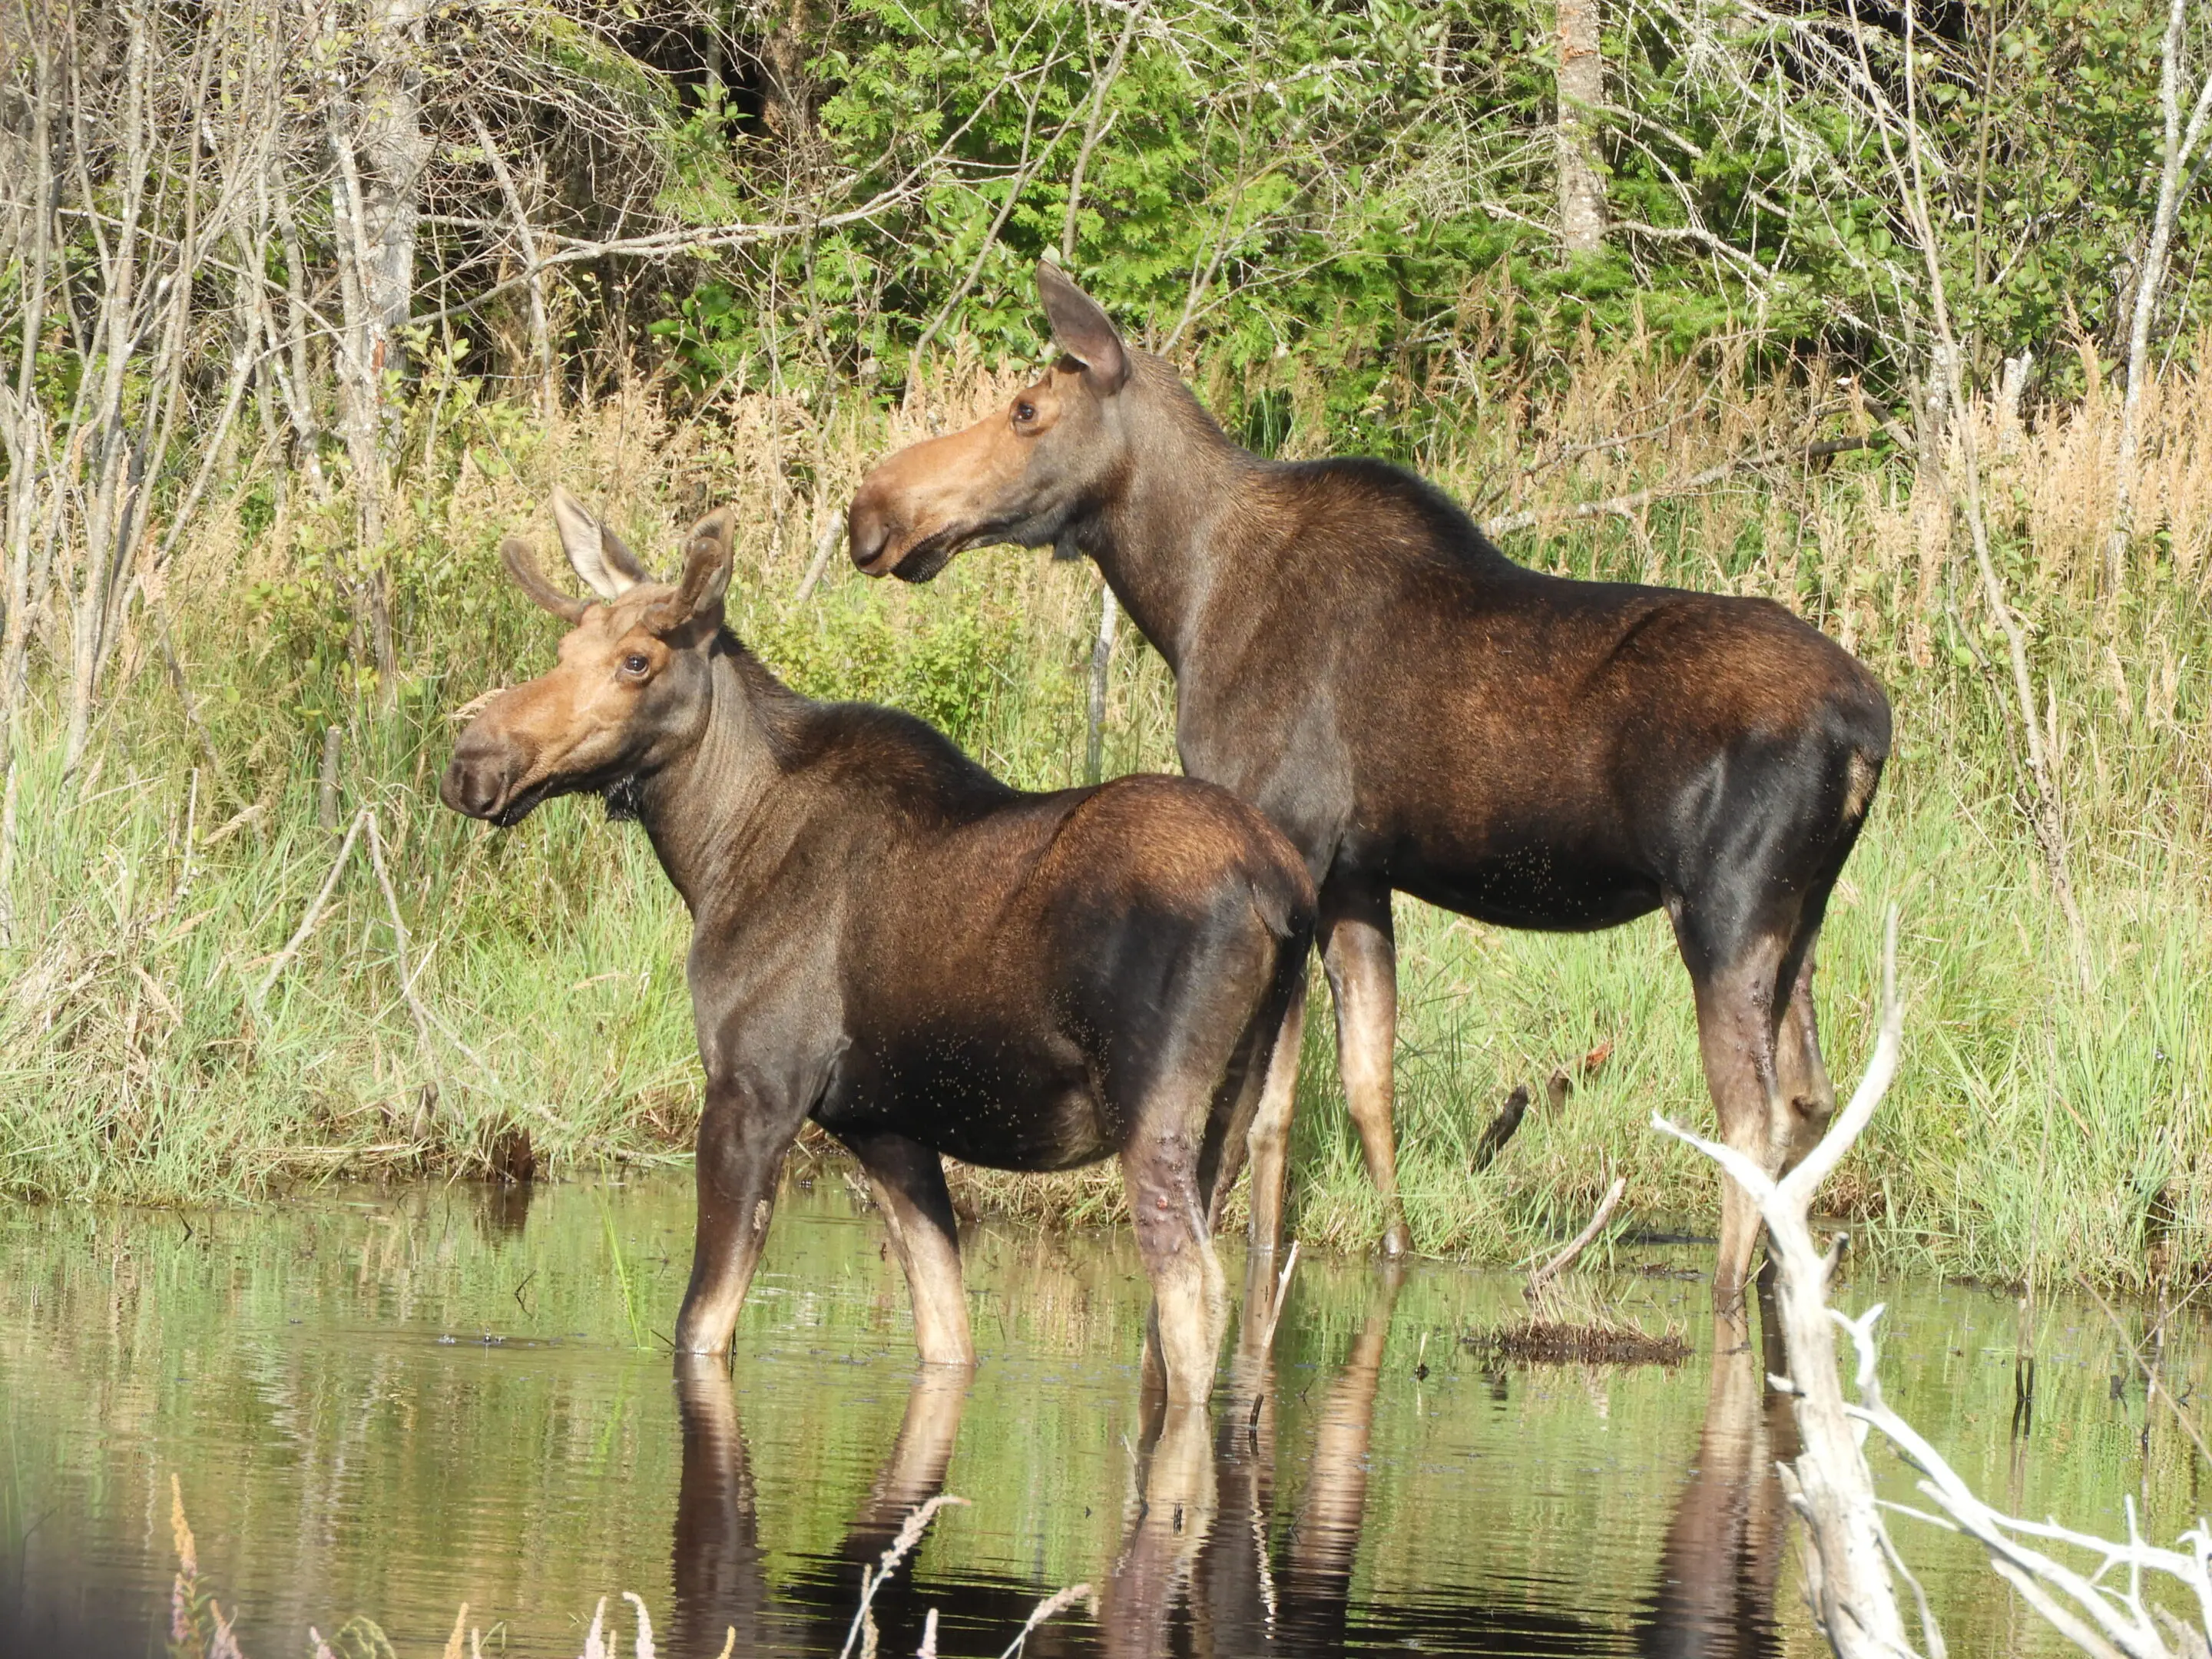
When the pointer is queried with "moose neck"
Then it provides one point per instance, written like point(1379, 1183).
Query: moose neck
point(707, 811)
point(1180, 519)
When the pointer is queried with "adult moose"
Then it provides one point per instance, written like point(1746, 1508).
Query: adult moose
point(890, 941)
point(1421, 714)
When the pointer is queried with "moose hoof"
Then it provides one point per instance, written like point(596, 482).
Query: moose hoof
point(1397, 1242)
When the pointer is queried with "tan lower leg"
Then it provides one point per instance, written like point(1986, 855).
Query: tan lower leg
point(1270, 1138)
point(1807, 1096)
point(722, 1270)
point(907, 1180)
point(934, 1282)
point(1736, 1033)
point(1192, 1300)
point(1361, 958)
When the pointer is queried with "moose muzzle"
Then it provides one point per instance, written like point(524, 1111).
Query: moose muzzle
point(481, 775)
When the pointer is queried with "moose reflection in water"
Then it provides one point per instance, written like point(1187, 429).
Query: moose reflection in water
point(1209, 1565)
point(1715, 1595)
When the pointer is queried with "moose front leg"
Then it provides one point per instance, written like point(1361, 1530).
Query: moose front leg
point(742, 1142)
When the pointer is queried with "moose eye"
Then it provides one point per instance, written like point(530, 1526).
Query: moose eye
point(1024, 412)
point(635, 664)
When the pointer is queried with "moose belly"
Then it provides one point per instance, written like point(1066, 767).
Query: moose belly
point(1544, 888)
point(982, 1104)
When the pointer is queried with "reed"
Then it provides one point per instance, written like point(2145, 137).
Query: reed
point(2041, 1123)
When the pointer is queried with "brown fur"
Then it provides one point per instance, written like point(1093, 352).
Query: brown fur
point(1418, 714)
point(890, 941)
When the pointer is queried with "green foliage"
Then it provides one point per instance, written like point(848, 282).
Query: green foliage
point(943, 666)
point(1347, 183)
point(144, 1062)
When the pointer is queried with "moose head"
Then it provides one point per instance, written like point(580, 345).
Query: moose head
point(632, 689)
point(1030, 474)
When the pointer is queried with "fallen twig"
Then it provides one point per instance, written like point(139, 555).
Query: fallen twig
point(1580, 1242)
point(1051, 1607)
point(1628, 506)
point(2152, 1387)
point(1502, 1128)
point(314, 909)
point(818, 566)
point(1274, 1310)
point(399, 943)
point(863, 1632)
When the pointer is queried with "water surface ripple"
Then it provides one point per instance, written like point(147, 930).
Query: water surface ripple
point(388, 1405)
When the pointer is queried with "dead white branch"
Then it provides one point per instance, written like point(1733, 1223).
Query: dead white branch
point(1853, 1557)
point(314, 909)
point(399, 943)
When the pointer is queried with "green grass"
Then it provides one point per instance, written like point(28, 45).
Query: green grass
point(2037, 1126)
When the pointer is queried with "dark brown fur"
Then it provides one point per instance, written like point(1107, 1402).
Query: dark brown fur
point(888, 940)
point(1419, 713)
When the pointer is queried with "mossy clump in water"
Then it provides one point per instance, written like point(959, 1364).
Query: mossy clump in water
point(1541, 1342)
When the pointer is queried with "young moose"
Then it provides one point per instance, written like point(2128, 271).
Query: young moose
point(1420, 714)
point(888, 941)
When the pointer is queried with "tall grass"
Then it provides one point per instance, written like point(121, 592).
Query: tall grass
point(2038, 1127)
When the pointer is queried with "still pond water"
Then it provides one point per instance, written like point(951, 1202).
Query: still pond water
point(388, 1405)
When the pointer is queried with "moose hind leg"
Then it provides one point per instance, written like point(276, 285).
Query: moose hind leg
point(1269, 1138)
point(1190, 1299)
point(1360, 951)
point(909, 1182)
point(1807, 1094)
point(1736, 1021)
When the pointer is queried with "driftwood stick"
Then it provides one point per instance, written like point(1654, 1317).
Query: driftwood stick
point(1501, 1129)
point(314, 909)
point(1855, 1602)
point(1628, 506)
point(399, 942)
point(1580, 1242)
point(825, 546)
point(1271, 1314)
point(326, 803)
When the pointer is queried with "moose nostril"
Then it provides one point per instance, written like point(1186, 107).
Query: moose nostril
point(472, 785)
point(866, 530)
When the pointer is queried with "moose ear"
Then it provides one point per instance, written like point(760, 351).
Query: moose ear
point(1083, 330)
point(584, 540)
point(622, 564)
point(696, 607)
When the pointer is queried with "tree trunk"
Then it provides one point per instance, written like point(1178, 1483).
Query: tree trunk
point(2150, 275)
point(785, 103)
point(375, 193)
point(396, 148)
point(1582, 89)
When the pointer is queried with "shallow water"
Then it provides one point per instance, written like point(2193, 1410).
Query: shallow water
point(389, 1405)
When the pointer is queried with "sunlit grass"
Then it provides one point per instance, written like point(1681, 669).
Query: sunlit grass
point(2037, 1126)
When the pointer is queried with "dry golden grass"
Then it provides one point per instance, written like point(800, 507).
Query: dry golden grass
point(128, 1036)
